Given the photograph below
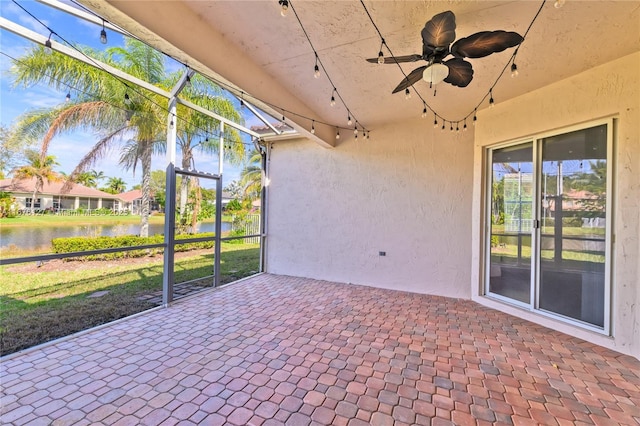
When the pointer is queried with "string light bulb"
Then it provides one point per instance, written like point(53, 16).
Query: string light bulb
point(464, 128)
point(475, 117)
point(127, 99)
point(355, 131)
point(313, 127)
point(316, 69)
point(424, 112)
point(558, 4)
point(380, 54)
point(451, 129)
point(491, 101)
point(457, 126)
point(407, 94)
point(284, 7)
point(349, 121)
point(103, 34)
point(187, 81)
point(47, 45)
point(337, 133)
point(332, 102)
point(435, 122)
point(514, 70)
point(68, 97)
point(442, 128)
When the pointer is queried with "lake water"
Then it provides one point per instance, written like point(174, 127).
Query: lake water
point(32, 238)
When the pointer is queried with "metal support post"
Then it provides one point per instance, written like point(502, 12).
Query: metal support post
point(170, 207)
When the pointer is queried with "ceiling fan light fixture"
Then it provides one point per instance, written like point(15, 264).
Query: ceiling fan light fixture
point(435, 73)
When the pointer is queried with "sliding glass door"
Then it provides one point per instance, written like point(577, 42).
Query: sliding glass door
point(548, 224)
point(511, 222)
point(573, 244)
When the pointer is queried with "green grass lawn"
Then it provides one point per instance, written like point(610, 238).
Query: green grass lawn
point(41, 304)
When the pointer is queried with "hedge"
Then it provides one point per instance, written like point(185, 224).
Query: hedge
point(80, 244)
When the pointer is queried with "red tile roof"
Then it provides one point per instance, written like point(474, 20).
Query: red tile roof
point(129, 196)
point(53, 188)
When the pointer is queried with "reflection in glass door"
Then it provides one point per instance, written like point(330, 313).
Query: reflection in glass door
point(572, 256)
point(547, 222)
point(511, 222)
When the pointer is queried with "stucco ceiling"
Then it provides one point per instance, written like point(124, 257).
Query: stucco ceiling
point(249, 44)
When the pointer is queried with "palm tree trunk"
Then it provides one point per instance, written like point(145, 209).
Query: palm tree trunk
point(146, 189)
point(33, 199)
point(184, 189)
point(196, 205)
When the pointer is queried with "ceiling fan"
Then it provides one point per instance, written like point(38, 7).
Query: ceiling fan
point(437, 35)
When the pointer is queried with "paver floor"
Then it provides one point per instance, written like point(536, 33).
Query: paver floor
point(280, 350)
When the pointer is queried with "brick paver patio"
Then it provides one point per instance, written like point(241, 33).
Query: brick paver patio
point(281, 350)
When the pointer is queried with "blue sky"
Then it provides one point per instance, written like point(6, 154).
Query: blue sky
point(70, 148)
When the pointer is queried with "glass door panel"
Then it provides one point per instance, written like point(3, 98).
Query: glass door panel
point(573, 216)
point(511, 222)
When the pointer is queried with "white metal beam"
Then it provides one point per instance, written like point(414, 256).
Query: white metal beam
point(74, 11)
point(58, 47)
point(218, 117)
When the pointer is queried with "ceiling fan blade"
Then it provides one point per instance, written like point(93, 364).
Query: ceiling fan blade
point(485, 43)
point(411, 79)
point(397, 59)
point(439, 32)
point(460, 72)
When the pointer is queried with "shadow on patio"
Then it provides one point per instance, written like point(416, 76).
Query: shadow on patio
point(284, 350)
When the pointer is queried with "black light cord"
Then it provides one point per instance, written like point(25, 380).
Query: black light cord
point(315, 52)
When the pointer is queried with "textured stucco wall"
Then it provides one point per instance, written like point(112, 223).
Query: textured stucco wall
point(610, 90)
point(406, 191)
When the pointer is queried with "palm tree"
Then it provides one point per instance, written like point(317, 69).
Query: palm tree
point(193, 130)
point(251, 176)
point(141, 121)
point(97, 176)
point(116, 185)
point(86, 179)
point(38, 168)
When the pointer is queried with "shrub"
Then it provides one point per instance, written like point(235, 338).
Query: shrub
point(81, 244)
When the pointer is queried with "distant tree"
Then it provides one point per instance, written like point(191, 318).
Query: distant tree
point(98, 176)
point(251, 177)
point(116, 185)
point(234, 189)
point(158, 184)
point(86, 179)
point(39, 168)
point(12, 151)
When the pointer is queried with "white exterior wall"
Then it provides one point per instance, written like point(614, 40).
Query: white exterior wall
point(405, 191)
point(610, 90)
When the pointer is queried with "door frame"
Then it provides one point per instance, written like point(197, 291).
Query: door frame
point(533, 305)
